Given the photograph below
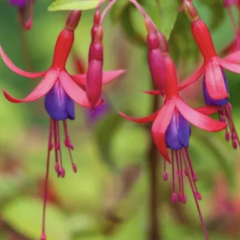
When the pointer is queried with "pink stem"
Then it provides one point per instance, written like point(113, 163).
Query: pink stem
point(196, 200)
point(43, 235)
point(109, 6)
point(28, 24)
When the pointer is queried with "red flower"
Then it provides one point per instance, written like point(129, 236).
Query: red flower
point(173, 102)
point(171, 129)
point(213, 65)
point(215, 86)
point(60, 91)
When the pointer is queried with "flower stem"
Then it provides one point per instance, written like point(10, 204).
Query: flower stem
point(153, 164)
point(24, 42)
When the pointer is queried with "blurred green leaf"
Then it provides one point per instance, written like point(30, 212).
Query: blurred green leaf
point(73, 5)
point(221, 152)
point(187, 53)
point(217, 12)
point(164, 16)
point(25, 215)
point(104, 133)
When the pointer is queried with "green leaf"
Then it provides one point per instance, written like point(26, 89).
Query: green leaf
point(169, 13)
point(104, 133)
point(73, 5)
point(217, 12)
point(25, 216)
point(164, 14)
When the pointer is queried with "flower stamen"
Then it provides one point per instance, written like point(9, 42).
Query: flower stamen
point(69, 145)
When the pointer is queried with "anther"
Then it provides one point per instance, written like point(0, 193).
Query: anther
point(174, 198)
point(180, 197)
point(74, 167)
point(43, 236)
point(198, 195)
point(184, 199)
point(165, 176)
point(57, 168)
point(194, 177)
point(63, 173)
point(227, 136)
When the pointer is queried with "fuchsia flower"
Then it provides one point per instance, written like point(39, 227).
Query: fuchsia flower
point(95, 63)
point(155, 59)
point(99, 111)
point(215, 83)
point(22, 5)
point(60, 92)
point(171, 129)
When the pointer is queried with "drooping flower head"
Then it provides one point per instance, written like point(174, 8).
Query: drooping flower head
point(215, 83)
point(95, 76)
point(60, 91)
point(171, 129)
point(23, 6)
point(101, 110)
point(155, 58)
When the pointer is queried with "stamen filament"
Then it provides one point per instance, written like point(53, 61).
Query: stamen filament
point(43, 235)
point(195, 198)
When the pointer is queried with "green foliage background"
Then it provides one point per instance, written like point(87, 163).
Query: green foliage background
point(108, 197)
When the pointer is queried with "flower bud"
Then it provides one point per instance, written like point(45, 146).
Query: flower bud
point(96, 21)
point(95, 69)
point(156, 62)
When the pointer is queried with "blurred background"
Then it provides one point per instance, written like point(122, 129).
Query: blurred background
point(108, 198)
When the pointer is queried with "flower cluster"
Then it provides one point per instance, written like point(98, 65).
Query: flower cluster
point(171, 123)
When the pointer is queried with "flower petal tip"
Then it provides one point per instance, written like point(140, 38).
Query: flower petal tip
point(152, 92)
point(9, 97)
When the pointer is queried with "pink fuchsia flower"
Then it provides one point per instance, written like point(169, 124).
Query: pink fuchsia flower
point(23, 7)
point(171, 129)
point(215, 83)
point(101, 110)
point(213, 65)
point(60, 92)
point(95, 69)
point(95, 75)
point(155, 58)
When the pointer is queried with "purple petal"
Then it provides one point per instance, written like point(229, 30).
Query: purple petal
point(58, 104)
point(99, 112)
point(184, 131)
point(178, 132)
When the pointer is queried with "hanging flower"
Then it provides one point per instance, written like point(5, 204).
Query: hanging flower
point(215, 83)
point(101, 110)
point(155, 58)
point(60, 92)
point(171, 129)
point(23, 6)
point(212, 65)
